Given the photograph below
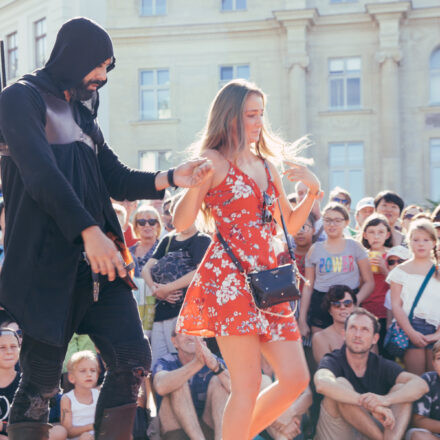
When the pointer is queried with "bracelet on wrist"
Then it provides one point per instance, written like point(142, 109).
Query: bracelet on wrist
point(220, 369)
point(170, 177)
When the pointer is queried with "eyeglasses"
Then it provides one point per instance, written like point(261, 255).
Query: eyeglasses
point(267, 201)
point(338, 200)
point(333, 221)
point(150, 221)
point(338, 304)
point(305, 228)
point(393, 261)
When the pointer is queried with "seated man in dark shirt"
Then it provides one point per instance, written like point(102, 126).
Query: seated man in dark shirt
point(193, 387)
point(365, 395)
point(426, 410)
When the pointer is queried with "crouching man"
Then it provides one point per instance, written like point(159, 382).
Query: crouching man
point(365, 395)
point(193, 387)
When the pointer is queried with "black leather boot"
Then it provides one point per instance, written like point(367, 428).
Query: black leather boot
point(29, 431)
point(117, 423)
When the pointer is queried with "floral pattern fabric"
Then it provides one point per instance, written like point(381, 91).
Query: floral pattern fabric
point(218, 302)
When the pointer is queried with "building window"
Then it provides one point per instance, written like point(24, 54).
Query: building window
point(155, 160)
point(346, 167)
point(345, 83)
point(233, 5)
point(153, 7)
point(434, 76)
point(40, 42)
point(155, 94)
point(435, 169)
point(227, 73)
point(12, 48)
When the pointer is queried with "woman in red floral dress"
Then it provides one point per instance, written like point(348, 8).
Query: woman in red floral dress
point(239, 195)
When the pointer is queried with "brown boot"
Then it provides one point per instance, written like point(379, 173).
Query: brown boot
point(29, 431)
point(117, 423)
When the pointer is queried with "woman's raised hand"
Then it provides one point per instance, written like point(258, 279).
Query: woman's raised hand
point(297, 172)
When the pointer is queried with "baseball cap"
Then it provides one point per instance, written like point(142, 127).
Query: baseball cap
point(365, 203)
point(400, 252)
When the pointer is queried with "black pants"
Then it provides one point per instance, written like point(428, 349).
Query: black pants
point(114, 326)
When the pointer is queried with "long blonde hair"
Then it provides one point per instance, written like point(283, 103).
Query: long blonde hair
point(226, 109)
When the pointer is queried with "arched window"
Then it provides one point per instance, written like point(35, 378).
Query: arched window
point(434, 74)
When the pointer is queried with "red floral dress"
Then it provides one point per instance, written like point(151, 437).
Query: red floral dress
point(218, 302)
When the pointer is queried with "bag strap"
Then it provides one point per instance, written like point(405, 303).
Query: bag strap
point(288, 241)
point(170, 239)
point(422, 288)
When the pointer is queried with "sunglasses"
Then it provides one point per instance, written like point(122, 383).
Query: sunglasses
point(8, 331)
point(267, 201)
point(167, 212)
point(408, 216)
point(150, 221)
point(346, 303)
point(338, 200)
point(393, 261)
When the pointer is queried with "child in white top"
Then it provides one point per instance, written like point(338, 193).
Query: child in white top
point(423, 329)
point(78, 406)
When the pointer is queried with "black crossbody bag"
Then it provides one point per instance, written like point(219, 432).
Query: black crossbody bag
point(272, 286)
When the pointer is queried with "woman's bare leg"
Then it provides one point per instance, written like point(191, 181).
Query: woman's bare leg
point(289, 364)
point(242, 357)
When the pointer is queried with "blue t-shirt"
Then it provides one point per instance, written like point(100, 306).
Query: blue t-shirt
point(429, 404)
point(198, 384)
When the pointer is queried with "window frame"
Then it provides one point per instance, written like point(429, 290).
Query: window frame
point(9, 51)
point(434, 73)
point(345, 76)
point(155, 88)
point(234, 72)
point(234, 6)
point(433, 165)
point(346, 168)
point(154, 7)
point(157, 152)
point(37, 39)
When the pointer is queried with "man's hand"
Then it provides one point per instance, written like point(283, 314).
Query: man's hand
point(385, 416)
point(370, 401)
point(209, 359)
point(193, 173)
point(102, 254)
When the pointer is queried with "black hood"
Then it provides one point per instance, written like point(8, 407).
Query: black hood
point(80, 47)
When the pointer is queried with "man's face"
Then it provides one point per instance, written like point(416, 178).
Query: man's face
point(301, 191)
point(342, 199)
point(185, 343)
point(363, 214)
point(359, 335)
point(91, 82)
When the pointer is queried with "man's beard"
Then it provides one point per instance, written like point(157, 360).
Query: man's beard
point(361, 351)
point(81, 93)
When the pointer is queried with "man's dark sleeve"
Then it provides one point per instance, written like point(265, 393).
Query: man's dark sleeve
point(22, 121)
point(198, 248)
point(331, 362)
point(124, 183)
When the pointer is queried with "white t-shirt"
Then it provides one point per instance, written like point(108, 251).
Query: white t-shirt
point(428, 305)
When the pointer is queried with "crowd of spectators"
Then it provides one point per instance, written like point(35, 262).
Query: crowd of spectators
point(359, 274)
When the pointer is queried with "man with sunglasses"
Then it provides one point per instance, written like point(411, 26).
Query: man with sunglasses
point(365, 395)
point(58, 175)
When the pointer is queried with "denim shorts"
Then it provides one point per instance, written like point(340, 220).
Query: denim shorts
point(421, 326)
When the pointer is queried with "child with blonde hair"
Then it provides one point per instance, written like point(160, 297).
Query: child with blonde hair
point(78, 405)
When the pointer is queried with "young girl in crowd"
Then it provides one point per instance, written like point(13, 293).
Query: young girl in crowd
point(337, 260)
point(240, 195)
point(377, 238)
point(405, 281)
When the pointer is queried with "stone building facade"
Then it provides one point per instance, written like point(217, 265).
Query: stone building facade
point(362, 77)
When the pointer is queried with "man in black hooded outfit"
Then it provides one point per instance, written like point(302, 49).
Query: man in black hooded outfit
point(58, 175)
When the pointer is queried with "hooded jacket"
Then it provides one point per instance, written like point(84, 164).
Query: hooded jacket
point(53, 190)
